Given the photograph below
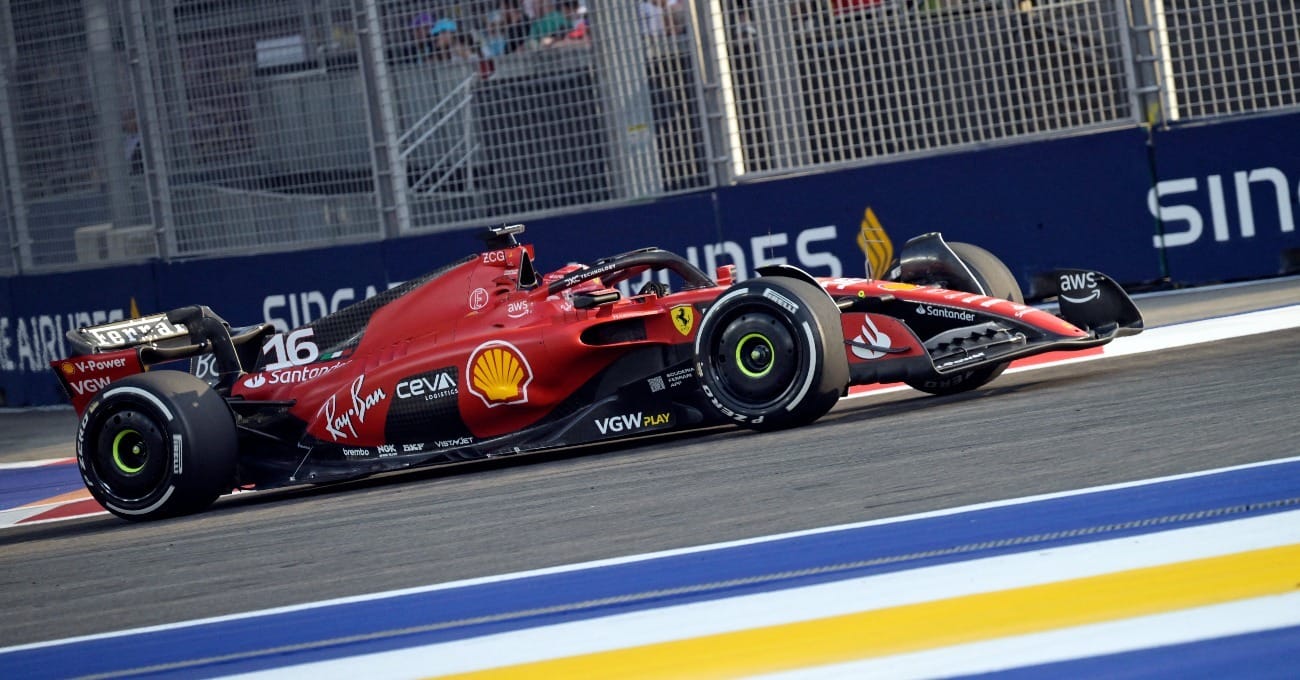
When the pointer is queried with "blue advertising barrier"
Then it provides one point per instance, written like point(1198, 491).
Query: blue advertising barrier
point(1229, 196)
point(1070, 202)
point(41, 309)
point(287, 289)
point(1224, 196)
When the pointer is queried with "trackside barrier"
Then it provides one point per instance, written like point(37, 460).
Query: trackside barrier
point(1225, 194)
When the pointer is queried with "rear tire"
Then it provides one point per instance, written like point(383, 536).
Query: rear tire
point(999, 282)
point(157, 445)
point(770, 353)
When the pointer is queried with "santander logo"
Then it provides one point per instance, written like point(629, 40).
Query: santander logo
point(870, 335)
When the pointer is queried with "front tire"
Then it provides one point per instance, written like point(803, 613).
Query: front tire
point(997, 281)
point(770, 354)
point(157, 445)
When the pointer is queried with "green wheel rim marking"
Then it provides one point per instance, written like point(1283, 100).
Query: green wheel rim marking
point(117, 453)
point(740, 362)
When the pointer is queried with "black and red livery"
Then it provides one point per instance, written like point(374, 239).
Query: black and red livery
point(489, 357)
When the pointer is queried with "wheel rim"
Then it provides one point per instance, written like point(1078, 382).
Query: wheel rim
point(755, 358)
point(755, 355)
point(131, 457)
point(129, 452)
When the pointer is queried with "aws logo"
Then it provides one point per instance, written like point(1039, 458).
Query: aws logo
point(499, 374)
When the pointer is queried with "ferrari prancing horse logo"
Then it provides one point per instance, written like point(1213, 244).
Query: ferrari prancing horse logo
point(683, 318)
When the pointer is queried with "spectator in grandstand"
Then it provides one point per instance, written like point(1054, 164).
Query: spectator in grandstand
point(507, 31)
point(662, 17)
point(419, 44)
point(449, 44)
point(577, 15)
point(742, 22)
point(550, 27)
point(841, 7)
point(133, 142)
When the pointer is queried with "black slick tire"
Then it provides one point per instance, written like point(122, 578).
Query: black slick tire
point(769, 353)
point(997, 281)
point(157, 445)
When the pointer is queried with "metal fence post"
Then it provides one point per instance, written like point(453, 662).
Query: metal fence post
point(1147, 80)
point(108, 109)
point(779, 68)
point(156, 158)
point(718, 92)
point(621, 59)
point(19, 239)
point(391, 191)
point(1157, 97)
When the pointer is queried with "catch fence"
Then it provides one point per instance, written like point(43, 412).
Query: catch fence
point(136, 129)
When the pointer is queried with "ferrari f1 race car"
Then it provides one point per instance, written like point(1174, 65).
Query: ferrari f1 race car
point(487, 357)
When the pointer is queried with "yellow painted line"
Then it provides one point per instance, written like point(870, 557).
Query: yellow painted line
point(942, 623)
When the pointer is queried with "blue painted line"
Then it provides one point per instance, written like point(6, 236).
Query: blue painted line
point(450, 614)
point(1266, 654)
point(20, 486)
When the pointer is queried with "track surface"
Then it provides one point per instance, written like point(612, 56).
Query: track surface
point(1050, 430)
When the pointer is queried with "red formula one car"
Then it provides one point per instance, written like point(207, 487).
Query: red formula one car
point(486, 357)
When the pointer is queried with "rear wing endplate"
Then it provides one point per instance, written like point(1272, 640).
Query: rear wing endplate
point(113, 350)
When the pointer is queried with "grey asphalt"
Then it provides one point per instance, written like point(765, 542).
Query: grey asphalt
point(1055, 429)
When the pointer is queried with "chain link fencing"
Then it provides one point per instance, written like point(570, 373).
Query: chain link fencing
point(138, 129)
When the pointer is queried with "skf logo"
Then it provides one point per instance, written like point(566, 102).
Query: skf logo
point(683, 318)
point(499, 374)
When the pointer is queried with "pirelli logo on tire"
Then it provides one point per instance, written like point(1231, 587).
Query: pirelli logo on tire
point(782, 300)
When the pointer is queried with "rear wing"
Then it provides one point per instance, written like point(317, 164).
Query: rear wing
point(112, 351)
point(152, 329)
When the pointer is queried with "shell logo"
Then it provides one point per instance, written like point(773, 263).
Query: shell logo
point(499, 374)
point(69, 369)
